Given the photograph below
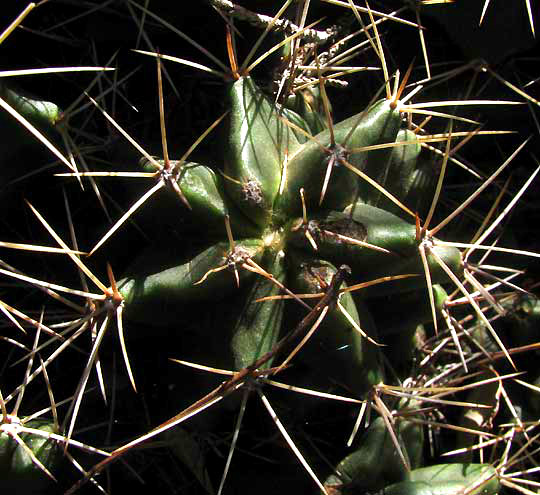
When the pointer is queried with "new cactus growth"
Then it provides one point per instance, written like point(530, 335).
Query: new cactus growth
point(307, 242)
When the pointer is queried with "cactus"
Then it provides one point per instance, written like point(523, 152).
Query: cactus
point(298, 243)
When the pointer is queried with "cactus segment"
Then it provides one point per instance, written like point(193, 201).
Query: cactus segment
point(17, 470)
point(400, 328)
point(7, 446)
point(393, 251)
point(163, 292)
point(335, 234)
point(420, 187)
point(425, 488)
point(403, 162)
point(523, 319)
point(461, 472)
point(43, 114)
point(258, 327)
point(307, 167)
point(399, 175)
point(348, 358)
point(384, 229)
point(448, 479)
point(308, 104)
point(205, 192)
point(411, 309)
point(296, 121)
point(15, 138)
point(258, 143)
point(380, 125)
point(376, 463)
point(450, 256)
point(46, 450)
